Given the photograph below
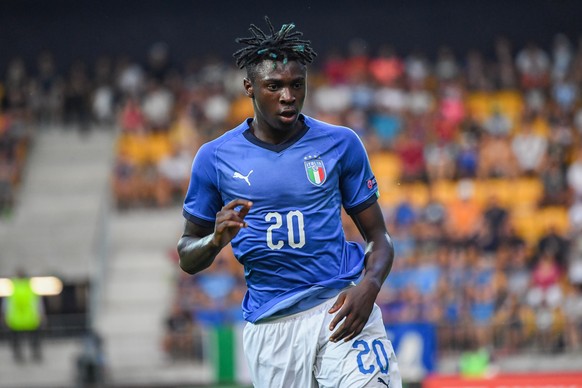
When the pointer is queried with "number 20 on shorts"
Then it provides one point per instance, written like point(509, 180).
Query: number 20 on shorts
point(382, 360)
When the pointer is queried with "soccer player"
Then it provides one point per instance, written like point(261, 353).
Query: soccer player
point(274, 187)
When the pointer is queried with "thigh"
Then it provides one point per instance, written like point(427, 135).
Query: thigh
point(280, 354)
point(366, 361)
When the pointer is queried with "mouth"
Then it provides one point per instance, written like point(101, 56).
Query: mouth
point(288, 114)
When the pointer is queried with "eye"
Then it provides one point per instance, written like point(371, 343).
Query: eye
point(272, 87)
point(298, 85)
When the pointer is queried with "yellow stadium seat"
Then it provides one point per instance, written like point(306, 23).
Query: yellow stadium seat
point(134, 146)
point(555, 217)
point(498, 188)
point(158, 146)
point(391, 192)
point(445, 191)
point(511, 103)
point(527, 224)
point(526, 192)
point(478, 105)
point(386, 165)
point(417, 193)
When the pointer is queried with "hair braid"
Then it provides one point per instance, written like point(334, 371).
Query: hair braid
point(282, 45)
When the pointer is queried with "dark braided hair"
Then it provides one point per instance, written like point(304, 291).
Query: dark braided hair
point(281, 45)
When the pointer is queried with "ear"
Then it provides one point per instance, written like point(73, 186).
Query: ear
point(248, 88)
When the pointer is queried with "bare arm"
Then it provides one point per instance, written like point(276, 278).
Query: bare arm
point(198, 246)
point(356, 303)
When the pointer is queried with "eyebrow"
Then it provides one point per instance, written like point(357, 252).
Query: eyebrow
point(270, 79)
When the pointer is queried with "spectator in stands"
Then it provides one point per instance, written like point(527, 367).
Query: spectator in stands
point(512, 322)
point(410, 151)
point(573, 317)
point(446, 67)
point(554, 182)
point(46, 91)
point(475, 71)
point(497, 123)
point(77, 92)
point(467, 157)
point(125, 181)
point(131, 118)
point(565, 92)
point(529, 149)
point(356, 62)
point(333, 68)
point(463, 215)
point(549, 320)
point(533, 65)
point(174, 174)
point(440, 157)
point(14, 98)
point(496, 158)
point(494, 218)
point(506, 72)
point(158, 64)
point(103, 97)
point(574, 176)
point(417, 69)
point(220, 291)
point(7, 180)
point(552, 242)
point(182, 338)
point(130, 78)
point(518, 271)
point(386, 67)
point(562, 56)
point(545, 291)
point(157, 106)
point(431, 218)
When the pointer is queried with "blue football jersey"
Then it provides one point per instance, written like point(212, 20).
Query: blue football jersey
point(294, 251)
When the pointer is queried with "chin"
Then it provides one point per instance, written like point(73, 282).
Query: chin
point(286, 124)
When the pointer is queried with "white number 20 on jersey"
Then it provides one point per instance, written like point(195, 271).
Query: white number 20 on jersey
point(294, 220)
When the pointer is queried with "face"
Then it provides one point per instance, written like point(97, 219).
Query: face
point(278, 93)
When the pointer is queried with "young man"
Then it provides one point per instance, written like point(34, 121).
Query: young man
point(273, 187)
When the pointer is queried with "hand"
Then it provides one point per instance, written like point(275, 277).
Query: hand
point(229, 221)
point(356, 306)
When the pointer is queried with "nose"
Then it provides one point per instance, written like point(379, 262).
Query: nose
point(286, 96)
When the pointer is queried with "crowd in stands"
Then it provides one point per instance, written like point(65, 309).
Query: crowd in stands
point(478, 159)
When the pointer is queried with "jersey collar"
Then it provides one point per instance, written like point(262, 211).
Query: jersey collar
point(248, 134)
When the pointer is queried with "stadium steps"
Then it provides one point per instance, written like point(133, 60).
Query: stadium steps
point(55, 230)
point(57, 368)
point(137, 297)
point(54, 227)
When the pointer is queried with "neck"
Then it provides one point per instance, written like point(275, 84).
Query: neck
point(268, 134)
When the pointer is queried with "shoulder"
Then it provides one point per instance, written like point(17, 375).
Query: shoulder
point(337, 132)
point(227, 139)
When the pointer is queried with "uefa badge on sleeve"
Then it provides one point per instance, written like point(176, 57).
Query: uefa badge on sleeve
point(315, 170)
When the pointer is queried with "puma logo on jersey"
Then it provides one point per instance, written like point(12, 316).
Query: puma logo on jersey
point(243, 177)
point(380, 380)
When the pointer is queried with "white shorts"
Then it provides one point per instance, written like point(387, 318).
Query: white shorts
point(295, 351)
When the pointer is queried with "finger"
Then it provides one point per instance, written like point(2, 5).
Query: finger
point(339, 302)
point(245, 210)
point(342, 315)
point(237, 202)
point(348, 331)
point(341, 332)
point(220, 227)
point(354, 334)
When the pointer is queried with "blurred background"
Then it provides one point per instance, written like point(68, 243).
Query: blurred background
point(472, 116)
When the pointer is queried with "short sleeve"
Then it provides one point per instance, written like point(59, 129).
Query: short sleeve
point(357, 182)
point(203, 200)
